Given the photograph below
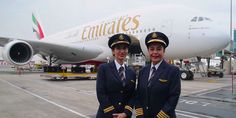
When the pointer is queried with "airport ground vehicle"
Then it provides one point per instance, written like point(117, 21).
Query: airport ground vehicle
point(215, 72)
point(66, 76)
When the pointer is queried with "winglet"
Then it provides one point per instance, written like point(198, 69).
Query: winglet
point(37, 28)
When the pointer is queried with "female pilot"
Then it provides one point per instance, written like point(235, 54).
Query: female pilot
point(158, 87)
point(115, 85)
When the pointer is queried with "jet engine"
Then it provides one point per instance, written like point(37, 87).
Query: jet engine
point(17, 52)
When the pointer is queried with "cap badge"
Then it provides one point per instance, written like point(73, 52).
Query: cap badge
point(154, 35)
point(121, 37)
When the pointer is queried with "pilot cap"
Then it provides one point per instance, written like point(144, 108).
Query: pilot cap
point(119, 39)
point(157, 37)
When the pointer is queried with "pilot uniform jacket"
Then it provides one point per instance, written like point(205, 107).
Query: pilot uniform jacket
point(113, 97)
point(160, 97)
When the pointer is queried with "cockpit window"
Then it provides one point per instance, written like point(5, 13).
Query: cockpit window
point(194, 19)
point(207, 19)
point(199, 19)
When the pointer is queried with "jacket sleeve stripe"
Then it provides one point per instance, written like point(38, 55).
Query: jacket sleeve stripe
point(108, 109)
point(162, 114)
point(139, 111)
point(159, 115)
point(128, 108)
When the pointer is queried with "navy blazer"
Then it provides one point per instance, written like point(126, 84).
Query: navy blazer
point(160, 97)
point(113, 97)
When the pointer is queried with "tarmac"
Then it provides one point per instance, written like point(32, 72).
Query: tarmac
point(224, 93)
point(28, 95)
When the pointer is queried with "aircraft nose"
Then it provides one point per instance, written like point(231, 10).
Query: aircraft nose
point(220, 36)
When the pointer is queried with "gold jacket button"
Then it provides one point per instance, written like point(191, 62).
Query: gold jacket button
point(119, 103)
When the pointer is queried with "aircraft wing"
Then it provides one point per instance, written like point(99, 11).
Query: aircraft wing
point(3, 41)
point(74, 52)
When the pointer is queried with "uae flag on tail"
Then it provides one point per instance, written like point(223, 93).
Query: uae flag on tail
point(37, 28)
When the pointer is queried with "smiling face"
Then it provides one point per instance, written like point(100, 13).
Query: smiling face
point(156, 52)
point(120, 51)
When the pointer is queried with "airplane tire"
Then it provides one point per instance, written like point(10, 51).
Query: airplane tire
point(208, 74)
point(184, 75)
point(221, 75)
point(191, 75)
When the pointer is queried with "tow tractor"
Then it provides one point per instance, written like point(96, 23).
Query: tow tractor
point(61, 73)
point(215, 72)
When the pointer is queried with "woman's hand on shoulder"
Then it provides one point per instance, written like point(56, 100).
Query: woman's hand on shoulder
point(119, 115)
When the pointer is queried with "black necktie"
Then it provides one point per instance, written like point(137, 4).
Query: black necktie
point(152, 75)
point(121, 74)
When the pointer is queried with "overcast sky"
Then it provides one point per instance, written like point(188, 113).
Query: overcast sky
point(59, 15)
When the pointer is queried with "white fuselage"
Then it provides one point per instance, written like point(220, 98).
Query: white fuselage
point(187, 37)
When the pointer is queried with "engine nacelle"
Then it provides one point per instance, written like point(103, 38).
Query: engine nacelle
point(17, 52)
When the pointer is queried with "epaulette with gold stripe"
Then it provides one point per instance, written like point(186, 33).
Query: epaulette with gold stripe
point(108, 109)
point(139, 111)
point(162, 114)
point(128, 107)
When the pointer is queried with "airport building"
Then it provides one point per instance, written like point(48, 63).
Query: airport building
point(233, 50)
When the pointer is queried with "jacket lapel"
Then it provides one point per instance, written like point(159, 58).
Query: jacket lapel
point(126, 73)
point(158, 73)
point(146, 74)
point(114, 70)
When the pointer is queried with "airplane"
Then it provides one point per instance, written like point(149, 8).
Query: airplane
point(190, 32)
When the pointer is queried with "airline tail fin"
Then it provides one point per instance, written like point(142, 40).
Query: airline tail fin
point(37, 28)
